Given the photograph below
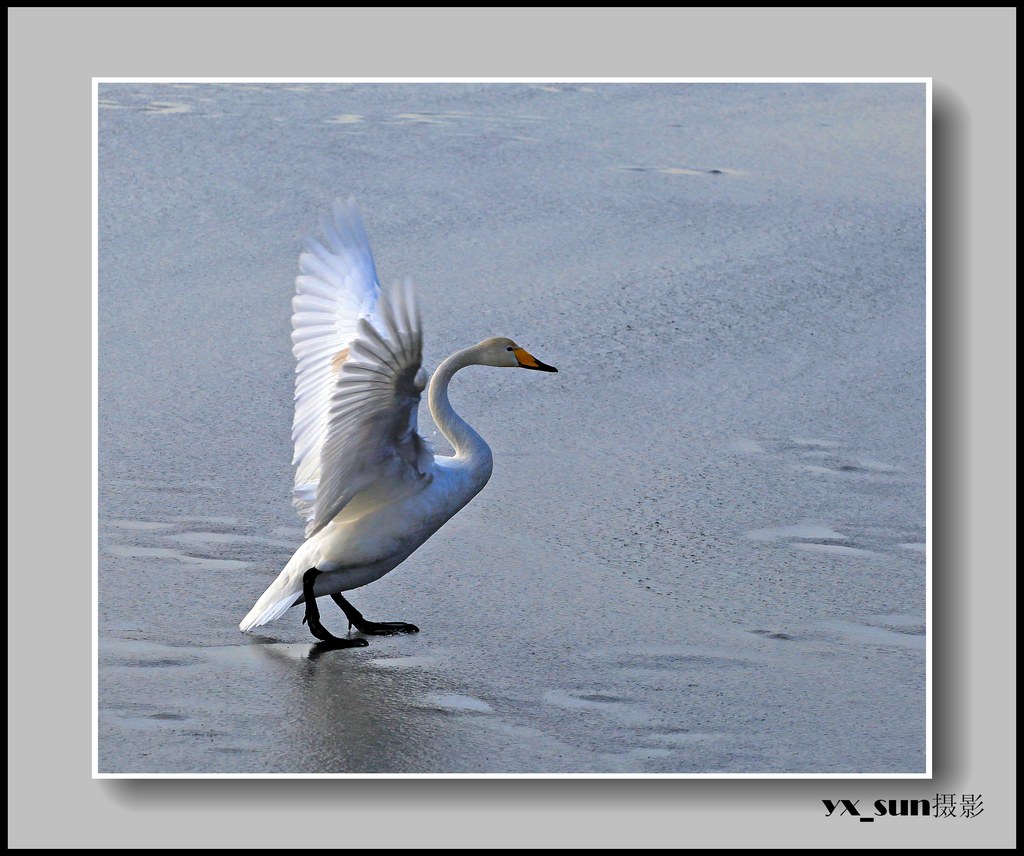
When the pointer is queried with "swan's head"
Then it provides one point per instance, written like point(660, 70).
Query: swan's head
point(506, 353)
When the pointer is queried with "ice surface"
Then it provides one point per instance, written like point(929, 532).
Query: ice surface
point(655, 580)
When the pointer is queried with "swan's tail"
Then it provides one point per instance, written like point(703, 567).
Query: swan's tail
point(272, 605)
point(283, 592)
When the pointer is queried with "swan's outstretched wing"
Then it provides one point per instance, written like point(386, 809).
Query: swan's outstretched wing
point(372, 444)
point(358, 378)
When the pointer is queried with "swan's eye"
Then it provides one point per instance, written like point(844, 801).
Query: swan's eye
point(509, 348)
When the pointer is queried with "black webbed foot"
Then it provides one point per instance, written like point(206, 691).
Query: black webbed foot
point(385, 628)
point(312, 618)
point(371, 628)
point(320, 648)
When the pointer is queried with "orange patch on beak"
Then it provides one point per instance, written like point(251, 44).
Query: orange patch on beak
point(525, 358)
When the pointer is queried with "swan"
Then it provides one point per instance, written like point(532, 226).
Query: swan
point(368, 485)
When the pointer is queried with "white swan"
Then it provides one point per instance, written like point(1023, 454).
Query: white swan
point(368, 485)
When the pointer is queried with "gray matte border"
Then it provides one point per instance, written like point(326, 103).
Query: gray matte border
point(53, 53)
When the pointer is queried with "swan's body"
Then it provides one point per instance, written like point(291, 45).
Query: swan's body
point(369, 486)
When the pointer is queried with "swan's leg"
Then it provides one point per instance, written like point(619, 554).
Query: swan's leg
point(374, 628)
point(312, 616)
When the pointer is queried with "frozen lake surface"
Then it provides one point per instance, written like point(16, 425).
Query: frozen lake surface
point(702, 548)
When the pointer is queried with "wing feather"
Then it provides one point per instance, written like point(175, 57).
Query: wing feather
point(358, 352)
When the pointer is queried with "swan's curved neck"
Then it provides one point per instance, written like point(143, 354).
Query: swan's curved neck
point(468, 444)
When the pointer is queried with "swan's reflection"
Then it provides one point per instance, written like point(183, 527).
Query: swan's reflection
point(353, 712)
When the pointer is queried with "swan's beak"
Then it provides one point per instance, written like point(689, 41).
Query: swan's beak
point(526, 360)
